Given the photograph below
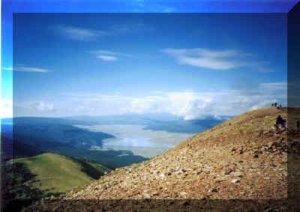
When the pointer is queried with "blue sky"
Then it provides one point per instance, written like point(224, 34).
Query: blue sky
point(189, 65)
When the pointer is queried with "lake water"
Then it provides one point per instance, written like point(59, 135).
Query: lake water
point(135, 138)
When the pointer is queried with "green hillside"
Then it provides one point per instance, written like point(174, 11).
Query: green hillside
point(49, 174)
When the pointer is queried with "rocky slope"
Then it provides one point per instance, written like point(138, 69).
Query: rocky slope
point(242, 159)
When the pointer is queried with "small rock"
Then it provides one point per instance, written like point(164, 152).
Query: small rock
point(182, 193)
point(146, 196)
point(235, 181)
point(228, 171)
point(237, 174)
point(219, 180)
point(155, 194)
point(162, 176)
point(214, 190)
point(198, 173)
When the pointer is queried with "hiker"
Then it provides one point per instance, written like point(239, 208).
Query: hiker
point(275, 104)
point(298, 125)
point(279, 107)
point(284, 124)
point(280, 121)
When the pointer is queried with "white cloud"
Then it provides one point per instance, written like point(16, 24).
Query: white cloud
point(31, 69)
point(185, 104)
point(182, 104)
point(216, 60)
point(6, 109)
point(108, 56)
point(43, 106)
point(88, 34)
point(79, 33)
point(34, 108)
point(7, 68)
point(26, 69)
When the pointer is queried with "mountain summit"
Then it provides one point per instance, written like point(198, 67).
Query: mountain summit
point(244, 158)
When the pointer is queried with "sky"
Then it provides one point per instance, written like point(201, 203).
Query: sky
point(187, 65)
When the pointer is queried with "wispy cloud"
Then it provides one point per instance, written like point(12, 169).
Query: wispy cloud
point(109, 56)
point(88, 34)
point(7, 68)
point(215, 59)
point(274, 86)
point(78, 33)
point(26, 69)
point(186, 104)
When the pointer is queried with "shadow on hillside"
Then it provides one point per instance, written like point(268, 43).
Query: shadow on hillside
point(50, 135)
point(108, 157)
point(27, 140)
point(17, 189)
point(89, 169)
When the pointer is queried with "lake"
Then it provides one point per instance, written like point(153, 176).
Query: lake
point(137, 139)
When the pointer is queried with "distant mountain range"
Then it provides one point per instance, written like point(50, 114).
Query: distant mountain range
point(36, 135)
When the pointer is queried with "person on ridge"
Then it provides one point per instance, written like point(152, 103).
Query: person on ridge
point(280, 121)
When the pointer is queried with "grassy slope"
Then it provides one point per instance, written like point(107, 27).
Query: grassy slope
point(58, 174)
